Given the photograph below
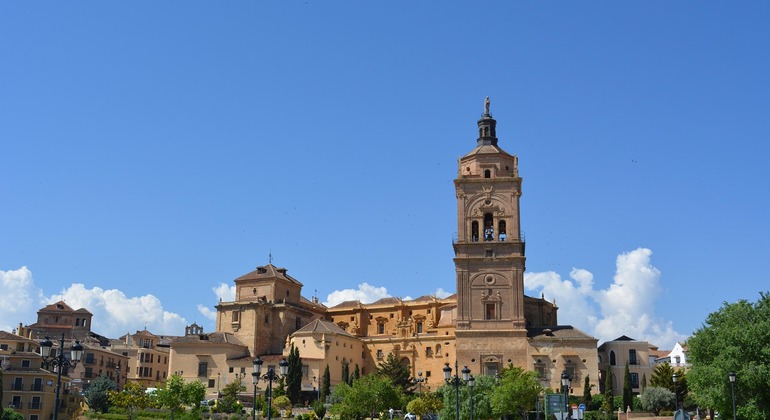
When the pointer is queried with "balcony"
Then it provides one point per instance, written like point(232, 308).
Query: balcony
point(35, 405)
point(17, 386)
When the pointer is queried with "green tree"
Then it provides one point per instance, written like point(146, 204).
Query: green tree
point(663, 377)
point(170, 395)
point(282, 403)
point(733, 339)
point(229, 402)
point(294, 375)
point(483, 406)
point(644, 382)
point(131, 398)
point(97, 395)
point(9, 414)
point(587, 391)
point(346, 372)
point(193, 393)
point(608, 397)
point(628, 393)
point(326, 387)
point(516, 392)
point(369, 395)
point(654, 398)
point(398, 373)
point(356, 374)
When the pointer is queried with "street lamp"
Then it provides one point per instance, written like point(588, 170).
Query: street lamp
point(565, 384)
point(60, 362)
point(456, 381)
point(731, 375)
point(269, 377)
point(470, 387)
point(675, 378)
point(419, 379)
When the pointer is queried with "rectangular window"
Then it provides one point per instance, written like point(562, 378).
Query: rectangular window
point(25, 363)
point(16, 401)
point(419, 327)
point(37, 384)
point(3, 346)
point(35, 404)
point(305, 371)
point(212, 383)
point(379, 354)
point(203, 368)
point(632, 357)
point(235, 316)
point(231, 369)
point(490, 311)
point(17, 384)
point(380, 328)
point(634, 380)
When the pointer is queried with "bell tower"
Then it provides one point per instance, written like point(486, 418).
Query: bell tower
point(489, 256)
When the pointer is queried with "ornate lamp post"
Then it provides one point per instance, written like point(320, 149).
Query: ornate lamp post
point(565, 384)
point(455, 381)
point(419, 380)
point(731, 375)
point(269, 377)
point(59, 361)
point(675, 378)
point(254, 381)
point(470, 387)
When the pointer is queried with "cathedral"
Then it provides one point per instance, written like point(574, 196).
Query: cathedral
point(486, 325)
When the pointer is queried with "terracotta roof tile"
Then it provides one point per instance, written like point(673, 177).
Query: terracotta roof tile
point(268, 272)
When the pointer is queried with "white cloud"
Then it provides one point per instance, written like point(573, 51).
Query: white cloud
point(626, 307)
point(441, 293)
point(365, 293)
point(20, 298)
point(207, 312)
point(224, 293)
point(115, 314)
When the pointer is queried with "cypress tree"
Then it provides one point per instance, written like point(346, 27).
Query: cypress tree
point(587, 391)
point(628, 393)
point(346, 372)
point(607, 404)
point(294, 375)
point(326, 384)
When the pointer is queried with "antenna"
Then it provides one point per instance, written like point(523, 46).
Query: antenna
point(270, 257)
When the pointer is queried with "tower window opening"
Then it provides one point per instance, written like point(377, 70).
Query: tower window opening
point(489, 230)
point(486, 131)
point(474, 231)
point(501, 229)
point(487, 173)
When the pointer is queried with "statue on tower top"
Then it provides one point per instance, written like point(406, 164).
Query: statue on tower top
point(486, 106)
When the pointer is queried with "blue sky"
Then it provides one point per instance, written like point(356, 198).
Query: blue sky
point(152, 152)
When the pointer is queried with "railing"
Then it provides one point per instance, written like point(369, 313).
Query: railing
point(35, 405)
point(17, 387)
point(36, 387)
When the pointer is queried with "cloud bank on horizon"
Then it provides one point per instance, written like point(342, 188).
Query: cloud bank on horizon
point(626, 307)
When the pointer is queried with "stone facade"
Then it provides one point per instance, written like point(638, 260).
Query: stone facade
point(486, 326)
point(624, 350)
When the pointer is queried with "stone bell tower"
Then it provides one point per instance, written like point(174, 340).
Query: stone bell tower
point(489, 256)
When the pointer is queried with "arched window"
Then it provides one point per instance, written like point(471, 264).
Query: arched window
point(487, 173)
point(405, 361)
point(474, 231)
point(612, 358)
point(438, 350)
point(501, 230)
point(489, 227)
